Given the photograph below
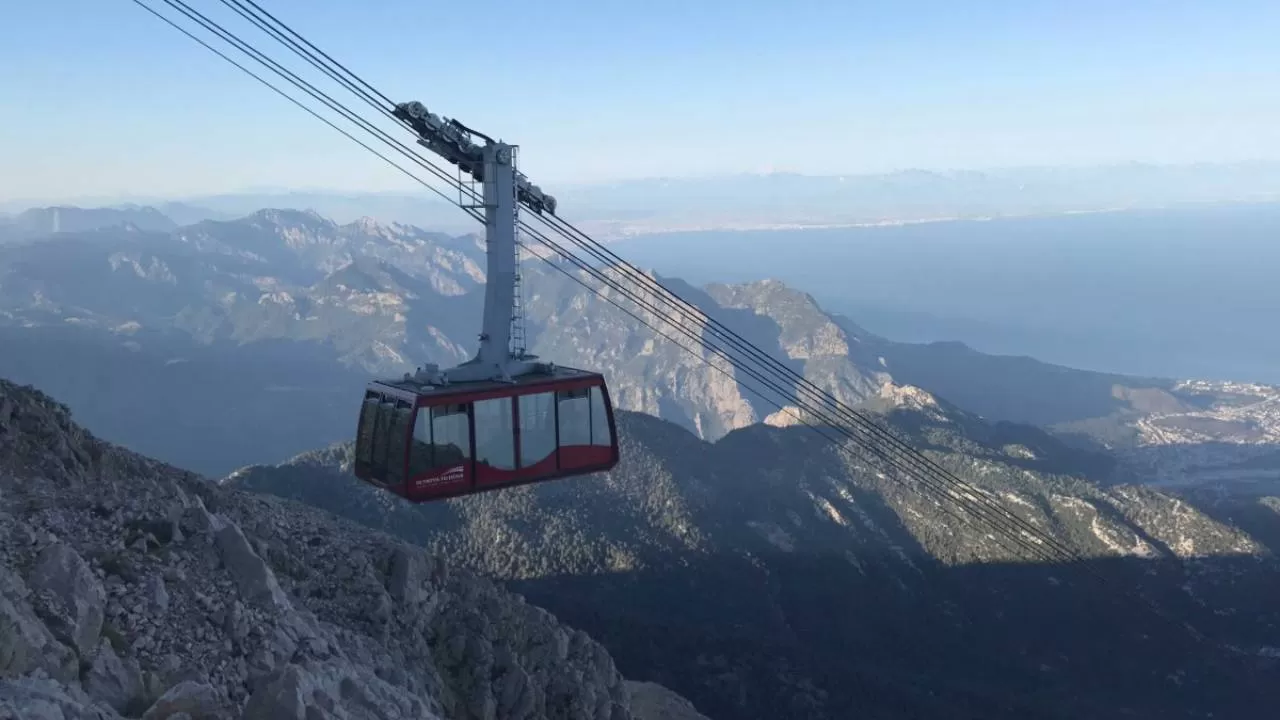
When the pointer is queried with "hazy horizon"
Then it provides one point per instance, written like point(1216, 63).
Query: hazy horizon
point(753, 201)
point(416, 191)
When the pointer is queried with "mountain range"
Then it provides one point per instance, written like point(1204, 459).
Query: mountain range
point(734, 556)
point(314, 306)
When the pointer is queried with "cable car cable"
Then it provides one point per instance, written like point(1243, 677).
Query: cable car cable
point(294, 46)
point(980, 495)
point(915, 456)
point(303, 85)
point(839, 445)
point(857, 419)
point(300, 104)
point(565, 228)
point(342, 67)
point(962, 500)
point(852, 415)
point(298, 49)
point(930, 485)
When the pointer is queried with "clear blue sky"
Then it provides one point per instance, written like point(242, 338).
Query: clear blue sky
point(103, 99)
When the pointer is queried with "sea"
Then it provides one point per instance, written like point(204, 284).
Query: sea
point(1183, 292)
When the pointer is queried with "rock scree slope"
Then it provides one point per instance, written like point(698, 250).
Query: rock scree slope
point(130, 588)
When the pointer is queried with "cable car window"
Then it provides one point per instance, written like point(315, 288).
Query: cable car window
point(600, 431)
point(575, 417)
point(537, 427)
point(381, 431)
point(397, 435)
point(495, 437)
point(450, 435)
point(421, 452)
point(364, 431)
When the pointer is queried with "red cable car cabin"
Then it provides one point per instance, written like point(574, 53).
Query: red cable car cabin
point(429, 442)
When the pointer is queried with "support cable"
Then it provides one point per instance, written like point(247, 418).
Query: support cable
point(975, 501)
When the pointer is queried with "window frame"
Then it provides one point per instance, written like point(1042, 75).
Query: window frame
point(505, 419)
point(363, 451)
point(553, 418)
point(431, 413)
point(597, 398)
point(573, 394)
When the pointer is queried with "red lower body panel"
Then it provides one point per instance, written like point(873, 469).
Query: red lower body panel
point(572, 458)
point(457, 480)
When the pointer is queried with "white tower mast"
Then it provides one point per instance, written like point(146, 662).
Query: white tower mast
point(493, 164)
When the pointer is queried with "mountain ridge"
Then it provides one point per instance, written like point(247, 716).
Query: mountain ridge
point(131, 588)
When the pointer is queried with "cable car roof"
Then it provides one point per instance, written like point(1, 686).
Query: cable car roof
point(410, 389)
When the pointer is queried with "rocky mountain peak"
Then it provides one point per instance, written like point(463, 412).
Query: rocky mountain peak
point(289, 216)
point(129, 588)
point(807, 331)
point(296, 228)
point(908, 397)
point(369, 225)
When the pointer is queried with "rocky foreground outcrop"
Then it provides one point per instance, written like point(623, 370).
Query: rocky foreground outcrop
point(131, 588)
